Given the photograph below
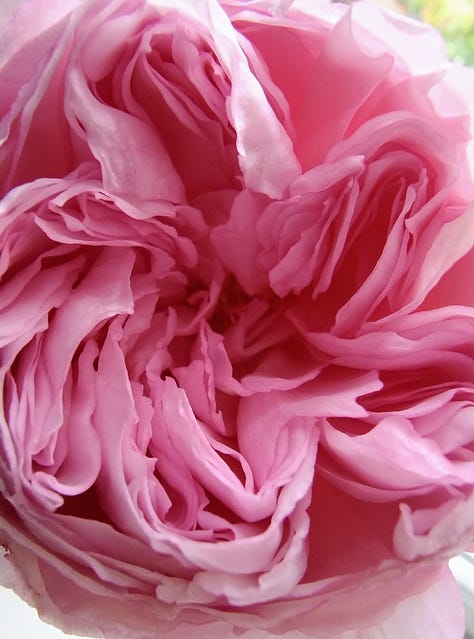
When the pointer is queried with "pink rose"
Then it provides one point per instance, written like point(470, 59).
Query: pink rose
point(236, 319)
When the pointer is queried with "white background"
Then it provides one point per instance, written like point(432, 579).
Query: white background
point(19, 621)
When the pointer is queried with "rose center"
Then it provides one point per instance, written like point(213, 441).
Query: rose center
point(230, 304)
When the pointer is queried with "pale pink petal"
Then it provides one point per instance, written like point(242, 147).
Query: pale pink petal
point(114, 138)
point(237, 250)
point(392, 455)
point(235, 333)
point(264, 413)
point(442, 530)
point(416, 44)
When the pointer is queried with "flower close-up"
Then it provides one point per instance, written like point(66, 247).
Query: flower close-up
point(236, 319)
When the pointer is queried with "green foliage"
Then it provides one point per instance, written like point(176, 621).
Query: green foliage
point(455, 20)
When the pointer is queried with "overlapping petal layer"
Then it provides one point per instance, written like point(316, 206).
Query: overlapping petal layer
point(236, 319)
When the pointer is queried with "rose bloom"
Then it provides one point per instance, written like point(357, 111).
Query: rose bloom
point(236, 322)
